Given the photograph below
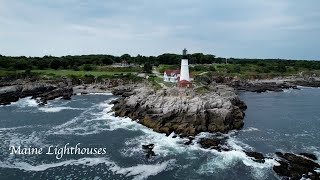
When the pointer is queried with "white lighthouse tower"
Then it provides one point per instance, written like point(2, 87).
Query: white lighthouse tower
point(184, 72)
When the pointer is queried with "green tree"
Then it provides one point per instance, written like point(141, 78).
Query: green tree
point(147, 68)
point(22, 64)
point(87, 67)
point(126, 57)
point(107, 60)
point(281, 68)
point(55, 64)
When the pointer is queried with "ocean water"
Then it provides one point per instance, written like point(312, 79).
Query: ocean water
point(276, 121)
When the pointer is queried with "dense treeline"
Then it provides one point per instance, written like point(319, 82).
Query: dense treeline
point(85, 61)
point(73, 62)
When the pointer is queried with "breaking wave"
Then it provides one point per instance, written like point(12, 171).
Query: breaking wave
point(138, 172)
point(25, 102)
point(57, 109)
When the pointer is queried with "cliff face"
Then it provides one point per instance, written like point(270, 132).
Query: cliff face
point(183, 111)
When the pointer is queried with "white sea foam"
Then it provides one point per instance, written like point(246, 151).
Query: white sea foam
point(57, 109)
point(28, 167)
point(238, 145)
point(229, 159)
point(88, 122)
point(306, 87)
point(138, 172)
point(249, 129)
point(19, 139)
point(106, 94)
point(142, 171)
point(14, 128)
point(25, 102)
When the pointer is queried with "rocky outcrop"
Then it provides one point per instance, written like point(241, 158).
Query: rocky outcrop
point(256, 156)
point(310, 156)
point(262, 87)
point(209, 143)
point(296, 167)
point(13, 93)
point(65, 93)
point(182, 111)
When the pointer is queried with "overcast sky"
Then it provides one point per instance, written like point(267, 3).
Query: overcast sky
point(227, 28)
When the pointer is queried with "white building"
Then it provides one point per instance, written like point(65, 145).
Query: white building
point(171, 75)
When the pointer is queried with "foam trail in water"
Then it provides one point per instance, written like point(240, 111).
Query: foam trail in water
point(57, 109)
point(105, 94)
point(88, 122)
point(138, 172)
point(249, 129)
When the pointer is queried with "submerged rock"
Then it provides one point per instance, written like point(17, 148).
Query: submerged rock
point(183, 111)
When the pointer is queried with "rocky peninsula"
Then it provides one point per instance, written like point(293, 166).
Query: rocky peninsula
point(208, 107)
point(186, 112)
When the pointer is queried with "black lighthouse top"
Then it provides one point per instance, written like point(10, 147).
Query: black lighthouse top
point(185, 54)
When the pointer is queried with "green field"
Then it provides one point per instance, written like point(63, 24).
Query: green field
point(76, 73)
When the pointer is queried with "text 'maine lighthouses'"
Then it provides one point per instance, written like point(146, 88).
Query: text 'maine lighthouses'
point(184, 80)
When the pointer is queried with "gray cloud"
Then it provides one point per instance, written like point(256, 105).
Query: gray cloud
point(231, 28)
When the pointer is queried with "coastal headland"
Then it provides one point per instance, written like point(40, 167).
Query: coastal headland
point(212, 105)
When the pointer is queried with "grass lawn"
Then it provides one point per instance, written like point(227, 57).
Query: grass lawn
point(71, 72)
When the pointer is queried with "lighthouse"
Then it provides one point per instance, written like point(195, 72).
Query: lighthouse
point(184, 71)
point(184, 80)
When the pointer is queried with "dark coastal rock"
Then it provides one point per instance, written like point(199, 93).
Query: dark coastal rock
point(65, 93)
point(258, 157)
point(35, 89)
point(309, 155)
point(212, 143)
point(263, 87)
point(7, 100)
point(13, 93)
point(182, 111)
point(296, 167)
point(148, 150)
point(124, 92)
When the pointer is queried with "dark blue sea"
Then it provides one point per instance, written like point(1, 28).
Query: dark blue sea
point(275, 121)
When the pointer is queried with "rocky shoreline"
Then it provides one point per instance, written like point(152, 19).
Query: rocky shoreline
point(264, 86)
point(45, 90)
point(184, 112)
point(261, 85)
